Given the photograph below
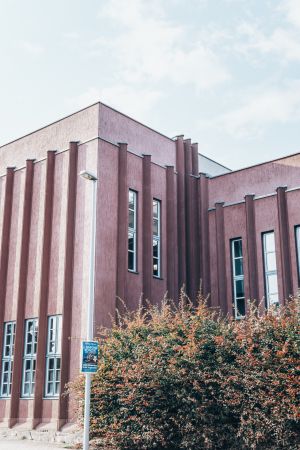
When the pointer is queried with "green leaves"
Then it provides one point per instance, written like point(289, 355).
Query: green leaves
point(185, 378)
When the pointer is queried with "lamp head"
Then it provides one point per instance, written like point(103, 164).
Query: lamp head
point(88, 175)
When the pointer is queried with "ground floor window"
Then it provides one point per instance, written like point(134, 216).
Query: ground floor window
point(7, 358)
point(29, 360)
point(53, 356)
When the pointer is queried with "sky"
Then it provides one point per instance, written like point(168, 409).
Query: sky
point(225, 73)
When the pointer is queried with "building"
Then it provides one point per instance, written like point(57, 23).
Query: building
point(166, 216)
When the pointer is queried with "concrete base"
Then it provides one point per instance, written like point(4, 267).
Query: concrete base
point(45, 432)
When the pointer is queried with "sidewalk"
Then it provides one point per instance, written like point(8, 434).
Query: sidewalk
point(26, 444)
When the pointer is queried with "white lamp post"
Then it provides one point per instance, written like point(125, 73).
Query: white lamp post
point(90, 331)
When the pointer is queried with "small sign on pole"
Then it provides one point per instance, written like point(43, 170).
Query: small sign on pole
point(89, 356)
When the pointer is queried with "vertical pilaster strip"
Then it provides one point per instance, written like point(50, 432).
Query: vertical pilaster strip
point(68, 281)
point(204, 234)
point(171, 244)
point(181, 228)
point(285, 252)
point(220, 240)
point(188, 216)
point(44, 289)
point(22, 288)
point(195, 160)
point(5, 238)
point(122, 251)
point(147, 228)
point(251, 247)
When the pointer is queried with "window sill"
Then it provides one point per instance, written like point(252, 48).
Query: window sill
point(157, 278)
point(54, 397)
point(134, 272)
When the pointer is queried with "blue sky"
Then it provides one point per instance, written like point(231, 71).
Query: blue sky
point(224, 72)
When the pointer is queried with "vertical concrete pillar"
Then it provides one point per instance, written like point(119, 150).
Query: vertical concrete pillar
point(188, 217)
point(147, 228)
point(19, 337)
point(68, 282)
point(5, 237)
point(251, 247)
point(122, 250)
point(181, 228)
point(285, 252)
point(43, 301)
point(195, 160)
point(171, 236)
point(204, 234)
point(221, 262)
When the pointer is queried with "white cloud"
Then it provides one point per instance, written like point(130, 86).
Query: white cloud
point(150, 48)
point(31, 48)
point(284, 43)
point(292, 10)
point(72, 35)
point(259, 110)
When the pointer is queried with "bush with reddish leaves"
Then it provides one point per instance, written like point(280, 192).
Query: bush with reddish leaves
point(186, 378)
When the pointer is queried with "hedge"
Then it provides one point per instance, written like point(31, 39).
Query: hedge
point(187, 378)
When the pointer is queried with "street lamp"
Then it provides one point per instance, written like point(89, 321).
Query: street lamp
point(90, 329)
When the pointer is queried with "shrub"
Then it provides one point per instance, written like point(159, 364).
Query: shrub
point(186, 378)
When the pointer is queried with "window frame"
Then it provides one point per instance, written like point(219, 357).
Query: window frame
point(29, 357)
point(269, 273)
point(7, 359)
point(236, 278)
point(54, 355)
point(132, 231)
point(156, 238)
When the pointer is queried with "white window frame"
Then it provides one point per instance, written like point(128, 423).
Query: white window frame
point(29, 358)
point(53, 356)
point(269, 273)
point(132, 231)
point(236, 278)
point(7, 358)
point(156, 238)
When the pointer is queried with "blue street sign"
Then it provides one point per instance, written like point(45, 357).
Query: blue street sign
point(89, 356)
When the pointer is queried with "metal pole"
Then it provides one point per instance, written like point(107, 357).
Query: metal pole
point(90, 328)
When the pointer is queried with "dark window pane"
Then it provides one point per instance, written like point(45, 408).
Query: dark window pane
point(130, 242)
point(237, 245)
point(130, 261)
point(238, 264)
point(239, 287)
point(240, 303)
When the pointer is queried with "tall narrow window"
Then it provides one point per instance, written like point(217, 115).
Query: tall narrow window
point(132, 207)
point(7, 358)
point(156, 238)
point(238, 278)
point(29, 362)
point(53, 357)
point(271, 283)
point(297, 236)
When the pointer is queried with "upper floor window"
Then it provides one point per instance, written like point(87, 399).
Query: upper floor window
point(270, 269)
point(29, 360)
point(156, 244)
point(132, 230)
point(7, 358)
point(238, 278)
point(53, 356)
